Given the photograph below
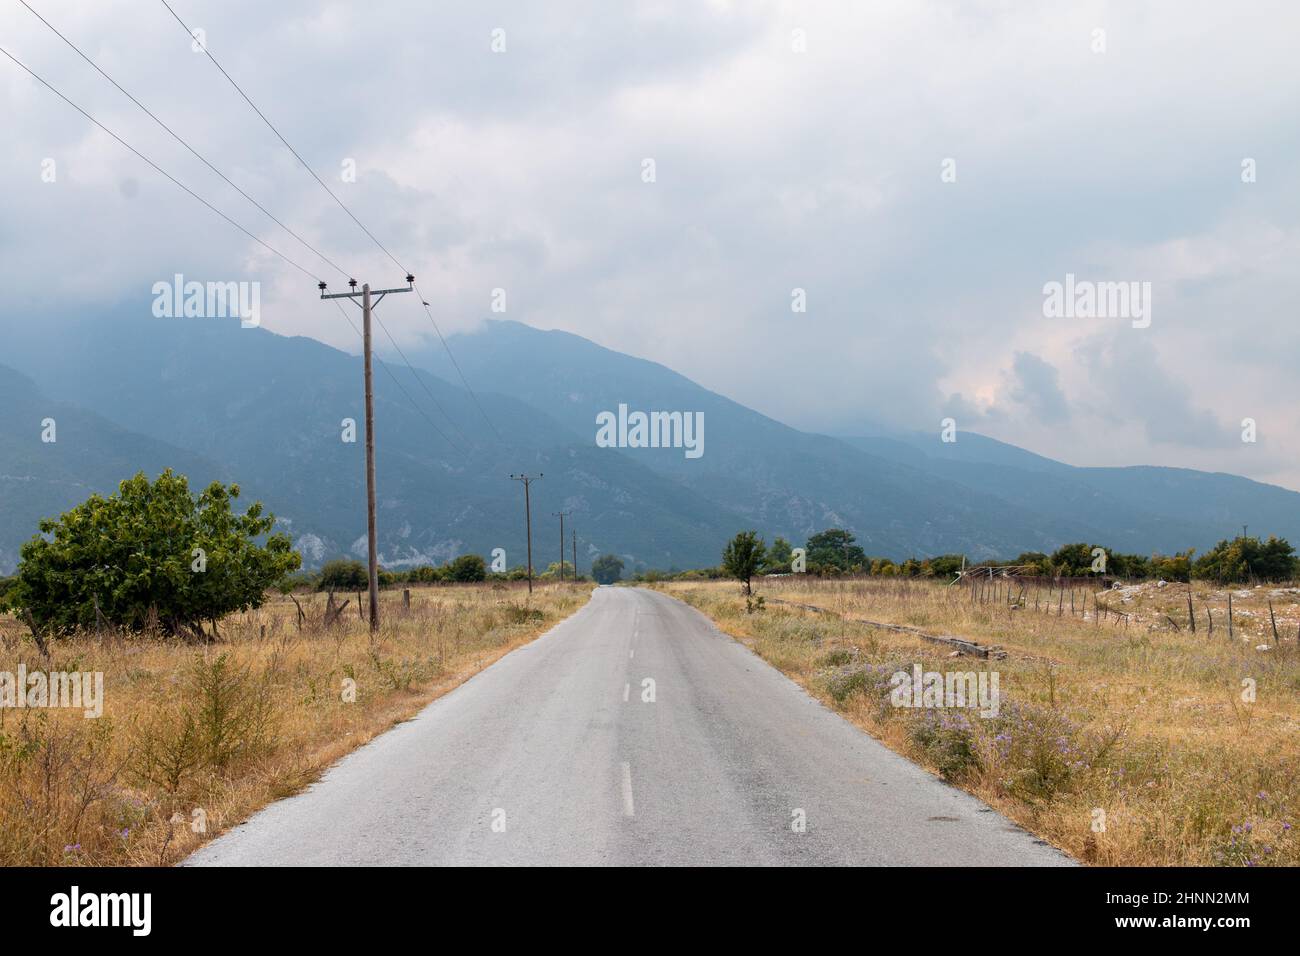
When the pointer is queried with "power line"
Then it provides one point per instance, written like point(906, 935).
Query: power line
point(324, 258)
point(454, 363)
point(271, 126)
point(176, 136)
point(400, 386)
point(416, 375)
point(232, 222)
point(266, 245)
point(307, 166)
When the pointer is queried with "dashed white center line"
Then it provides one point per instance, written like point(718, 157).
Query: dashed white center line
point(631, 654)
point(627, 688)
point(629, 810)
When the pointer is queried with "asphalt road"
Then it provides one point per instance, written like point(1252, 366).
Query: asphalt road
point(552, 757)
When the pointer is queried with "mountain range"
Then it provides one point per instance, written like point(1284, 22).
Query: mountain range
point(217, 401)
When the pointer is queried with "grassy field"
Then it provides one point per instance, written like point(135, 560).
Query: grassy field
point(1124, 745)
point(196, 738)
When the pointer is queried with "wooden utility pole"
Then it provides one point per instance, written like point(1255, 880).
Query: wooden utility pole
point(561, 515)
point(575, 554)
point(528, 521)
point(372, 546)
point(372, 542)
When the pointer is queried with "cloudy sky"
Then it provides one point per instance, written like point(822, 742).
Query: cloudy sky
point(921, 170)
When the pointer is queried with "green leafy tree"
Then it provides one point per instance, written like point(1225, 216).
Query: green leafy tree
point(835, 548)
point(1244, 559)
point(344, 574)
point(467, 567)
point(1132, 566)
point(1072, 560)
point(150, 555)
point(555, 571)
point(607, 569)
point(946, 566)
point(1176, 567)
point(778, 557)
point(743, 556)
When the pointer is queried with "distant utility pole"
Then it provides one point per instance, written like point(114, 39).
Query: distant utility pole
point(561, 515)
point(575, 555)
point(372, 545)
point(528, 521)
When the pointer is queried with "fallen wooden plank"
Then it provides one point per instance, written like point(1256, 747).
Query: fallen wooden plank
point(964, 646)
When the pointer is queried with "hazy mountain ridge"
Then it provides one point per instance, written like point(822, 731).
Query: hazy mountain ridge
point(271, 408)
point(266, 410)
point(903, 492)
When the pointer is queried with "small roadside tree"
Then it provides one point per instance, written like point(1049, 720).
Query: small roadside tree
point(743, 556)
point(835, 548)
point(467, 567)
point(150, 555)
point(778, 557)
point(607, 569)
point(344, 574)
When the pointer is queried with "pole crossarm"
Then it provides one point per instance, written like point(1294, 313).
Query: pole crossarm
point(357, 295)
point(365, 291)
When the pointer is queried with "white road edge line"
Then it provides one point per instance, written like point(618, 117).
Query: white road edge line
point(628, 809)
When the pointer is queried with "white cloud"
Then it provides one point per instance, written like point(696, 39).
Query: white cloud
point(775, 170)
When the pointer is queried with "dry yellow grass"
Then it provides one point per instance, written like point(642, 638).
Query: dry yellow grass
point(1123, 746)
point(226, 728)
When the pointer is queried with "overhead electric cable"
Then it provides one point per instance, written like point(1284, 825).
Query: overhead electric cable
point(307, 166)
point(176, 136)
point(262, 242)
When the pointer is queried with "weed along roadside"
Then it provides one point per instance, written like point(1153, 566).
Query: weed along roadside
point(1123, 746)
point(192, 739)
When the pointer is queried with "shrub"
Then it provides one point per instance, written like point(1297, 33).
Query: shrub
point(344, 575)
point(150, 554)
point(468, 567)
point(1243, 559)
point(231, 711)
point(947, 740)
point(836, 658)
point(1041, 747)
point(607, 569)
point(519, 614)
